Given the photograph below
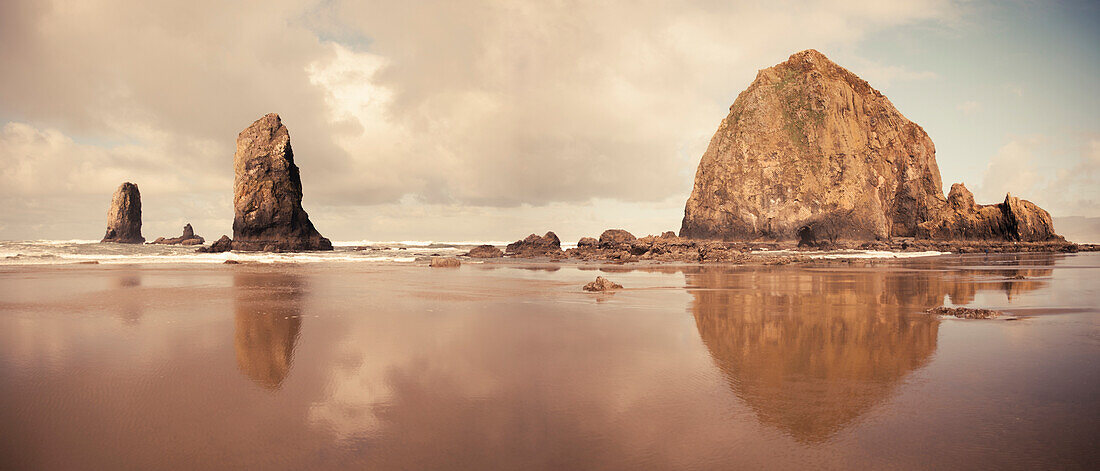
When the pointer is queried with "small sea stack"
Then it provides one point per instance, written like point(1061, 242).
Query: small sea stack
point(267, 193)
point(188, 238)
point(124, 216)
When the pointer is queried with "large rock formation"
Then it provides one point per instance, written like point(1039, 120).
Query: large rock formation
point(267, 193)
point(811, 151)
point(124, 216)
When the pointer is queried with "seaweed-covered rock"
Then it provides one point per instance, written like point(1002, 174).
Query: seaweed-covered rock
point(602, 284)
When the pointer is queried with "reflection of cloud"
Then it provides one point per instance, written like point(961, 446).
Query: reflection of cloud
point(268, 321)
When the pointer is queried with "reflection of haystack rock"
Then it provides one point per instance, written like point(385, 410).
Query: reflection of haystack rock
point(811, 353)
point(268, 322)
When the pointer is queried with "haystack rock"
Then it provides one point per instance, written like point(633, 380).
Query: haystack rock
point(811, 152)
point(124, 216)
point(267, 193)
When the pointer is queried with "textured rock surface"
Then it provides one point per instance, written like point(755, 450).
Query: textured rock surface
point(588, 242)
point(602, 284)
point(616, 237)
point(445, 262)
point(1013, 219)
point(124, 216)
point(267, 193)
point(224, 244)
point(188, 238)
point(811, 152)
point(533, 246)
point(485, 251)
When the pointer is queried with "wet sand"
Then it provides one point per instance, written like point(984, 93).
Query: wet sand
point(513, 366)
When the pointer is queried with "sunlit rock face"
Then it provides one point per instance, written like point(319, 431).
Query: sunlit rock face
point(267, 192)
point(268, 322)
point(810, 353)
point(811, 151)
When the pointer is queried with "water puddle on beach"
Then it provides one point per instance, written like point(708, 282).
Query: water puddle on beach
point(498, 366)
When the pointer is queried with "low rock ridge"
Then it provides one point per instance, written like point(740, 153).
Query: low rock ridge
point(188, 238)
point(535, 246)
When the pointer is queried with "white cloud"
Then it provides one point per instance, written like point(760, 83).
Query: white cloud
point(453, 104)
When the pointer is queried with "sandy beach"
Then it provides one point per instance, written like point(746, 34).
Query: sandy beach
point(509, 364)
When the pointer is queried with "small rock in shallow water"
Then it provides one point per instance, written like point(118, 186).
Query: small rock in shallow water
point(602, 284)
point(964, 312)
point(445, 262)
point(485, 251)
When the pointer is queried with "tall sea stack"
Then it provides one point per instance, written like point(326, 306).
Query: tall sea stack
point(810, 151)
point(267, 193)
point(124, 216)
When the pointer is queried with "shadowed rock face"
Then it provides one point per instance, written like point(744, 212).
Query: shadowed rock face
point(811, 152)
point(268, 321)
point(267, 193)
point(124, 216)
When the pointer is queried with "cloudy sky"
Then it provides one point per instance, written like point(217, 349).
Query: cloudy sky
point(488, 120)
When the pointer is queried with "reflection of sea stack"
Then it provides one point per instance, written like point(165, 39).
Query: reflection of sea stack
point(811, 151)
point(124, 216)
point(808, 352)
point(268, 318)
point(267, 193)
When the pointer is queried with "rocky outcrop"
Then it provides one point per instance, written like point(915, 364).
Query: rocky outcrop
point(588, 242)
point(485, 251)
point(965, 312)
point(224, 244)
point(124, 216)
point(535, 246)
point(267, 193)
point(813, 153)
point(614, 237)
point(444, 262)
point(1013, 219)
point(188, 238)
point(602, 284)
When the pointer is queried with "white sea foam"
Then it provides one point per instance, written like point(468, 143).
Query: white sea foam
point(842, 254)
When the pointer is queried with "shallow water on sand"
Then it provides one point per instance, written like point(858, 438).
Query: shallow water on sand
point(490, 366)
